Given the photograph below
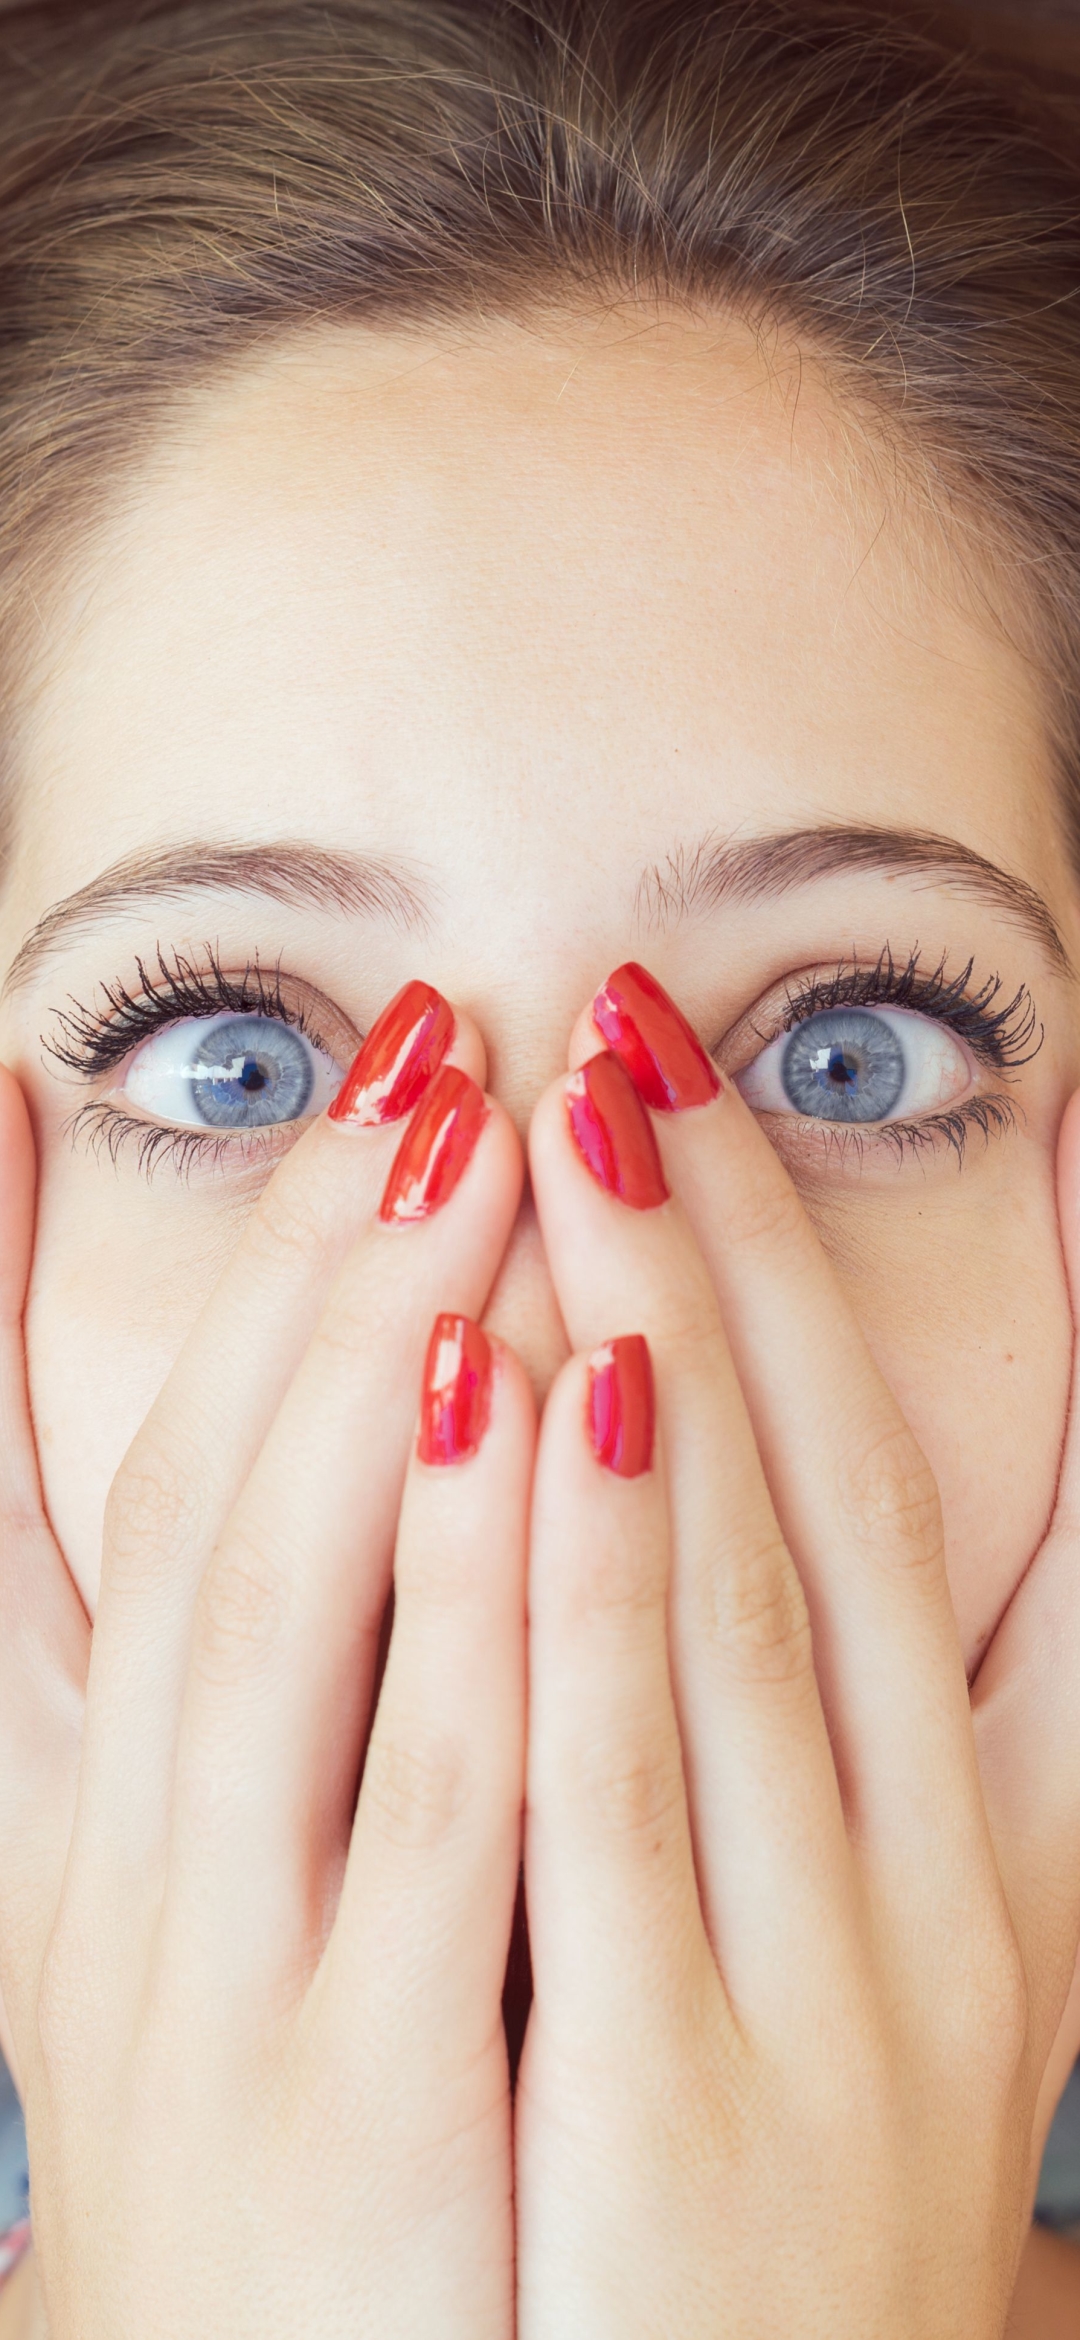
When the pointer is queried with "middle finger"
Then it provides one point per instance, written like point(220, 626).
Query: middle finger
point(765, 1812)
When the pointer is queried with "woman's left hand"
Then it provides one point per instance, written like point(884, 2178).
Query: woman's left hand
point(803, 1913)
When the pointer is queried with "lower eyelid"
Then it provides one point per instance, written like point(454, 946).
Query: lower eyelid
point(105, 1132)
point(843, 1145)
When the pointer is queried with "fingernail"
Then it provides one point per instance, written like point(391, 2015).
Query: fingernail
point(613, 1133)
point(622, 1406)
point(661, 1051)
point(402, 1052)
point(436, 1148)
point(456, 1397)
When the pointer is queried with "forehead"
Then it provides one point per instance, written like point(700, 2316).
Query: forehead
point(505, 584)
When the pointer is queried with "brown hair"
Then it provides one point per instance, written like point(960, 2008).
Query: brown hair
point(182, 179)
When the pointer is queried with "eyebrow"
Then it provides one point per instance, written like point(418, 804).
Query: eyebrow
point(300, 875)
point(691, 882)
point(703, 878)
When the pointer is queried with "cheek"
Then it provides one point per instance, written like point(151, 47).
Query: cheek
point(116, 1286)
point(968, 1317)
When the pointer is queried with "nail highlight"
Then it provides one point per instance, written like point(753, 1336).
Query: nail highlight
point(436, 1148)
point(455, 1400)
point(622, 1406)
point(402, 1052)
point(661, 1051)
point(613, 1133)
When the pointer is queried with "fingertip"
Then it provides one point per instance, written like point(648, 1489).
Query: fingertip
point(467, 1049)
point(512, 1394)
point(604, 1401)
point(473, 1387)
point(621, 1416)
point(585, 1040)
point(414, 1038)
point(547, 1124)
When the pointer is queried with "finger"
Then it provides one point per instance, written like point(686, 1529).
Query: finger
point(44, 1633)
point(287, 1620)
point(1026, 1696)
point(853, 1493)
point(423, 1928)
point(188, 1462)
point(614, 1916)
point(766, 1817)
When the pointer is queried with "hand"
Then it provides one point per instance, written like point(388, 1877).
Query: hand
point(797, 1964)
point(259, 2042)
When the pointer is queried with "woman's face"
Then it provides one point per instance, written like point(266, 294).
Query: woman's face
point(498, 661)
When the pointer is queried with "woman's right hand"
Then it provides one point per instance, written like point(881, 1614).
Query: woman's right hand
point(259, 2039)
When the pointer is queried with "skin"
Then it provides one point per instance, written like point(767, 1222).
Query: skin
point(529, 614)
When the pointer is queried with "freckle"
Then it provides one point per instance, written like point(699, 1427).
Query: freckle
point(1008, 1357)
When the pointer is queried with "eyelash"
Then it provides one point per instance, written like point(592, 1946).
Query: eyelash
point(92, 1041)
point(1006, 1037)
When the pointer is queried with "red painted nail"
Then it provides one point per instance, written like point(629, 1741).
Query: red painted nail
point(622, 1406)
point(436, 1147)
point(614, 1134)
point(661, 1051)
point(402, 1052)
point(456, 1397)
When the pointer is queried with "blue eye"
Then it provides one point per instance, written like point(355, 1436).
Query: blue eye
point(843, 1065)
point(230, 1072)
point(854, 1064)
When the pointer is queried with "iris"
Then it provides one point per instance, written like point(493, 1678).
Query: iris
point(249, 1071)
point(843, 1065)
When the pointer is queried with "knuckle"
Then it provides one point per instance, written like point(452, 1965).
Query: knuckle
point(765, 1214)
point(620, 1580)
point(625, 1595)
point(345, 1332)
point(986, 2015)
point(414, 1791)
point(152, 1510)
point(289, 1226)
point(633, 1790)
point(244, 1607)
point(757, 1617)
point(890, 1495)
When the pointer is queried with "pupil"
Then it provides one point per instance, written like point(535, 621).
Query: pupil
point(835, 1067)
point(253, 1077)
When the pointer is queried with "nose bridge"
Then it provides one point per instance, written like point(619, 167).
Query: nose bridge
point(525, 996)
point(536, 901)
